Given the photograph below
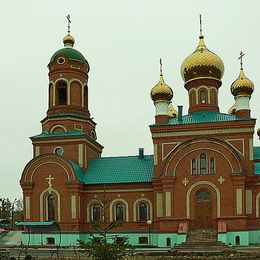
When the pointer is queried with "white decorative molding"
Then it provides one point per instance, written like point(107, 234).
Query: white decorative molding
point(229, 141)
point(185, 181)
point(150, 209)
point(58, 126)
point(159, 205)
point(112, 205)
point(168, 203)
point(73, 207)
point(239, 199)
point(155, 154)
point(249, 202)
point(221, 180)
point(46, 208)
point(257, 205)
point(164, 146)
point(27, 207)
point(189, 132)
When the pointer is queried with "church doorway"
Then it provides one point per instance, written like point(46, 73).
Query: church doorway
point(203, 209)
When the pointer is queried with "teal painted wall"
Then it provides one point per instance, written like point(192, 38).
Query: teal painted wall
point(244, 238)
point(254, 237)
point(222, 237)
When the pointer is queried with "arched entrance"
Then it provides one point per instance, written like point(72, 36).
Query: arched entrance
point(203, 209)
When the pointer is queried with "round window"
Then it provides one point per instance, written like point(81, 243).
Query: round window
point(58, 150)
point(61, 60)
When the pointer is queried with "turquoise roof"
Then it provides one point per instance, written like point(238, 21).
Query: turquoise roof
point(63, 134)
point(257, 152)
point(71, 53)
point(39, 223)
point(123, 169)
point(203, 117)
point(257, 167)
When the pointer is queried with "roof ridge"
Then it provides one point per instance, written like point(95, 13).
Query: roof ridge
point(122, 156)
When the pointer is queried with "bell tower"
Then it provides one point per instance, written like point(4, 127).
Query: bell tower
point(68, 118)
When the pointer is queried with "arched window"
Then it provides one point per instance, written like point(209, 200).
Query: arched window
point(51, 207)
point(119, 211)
point(62, 93)
point(203, 164)
point(212, 165)
point(143, 211)
point(96, 212)
point(86, 96)
point(168, 241)
point(193, 167)
point(202, 96)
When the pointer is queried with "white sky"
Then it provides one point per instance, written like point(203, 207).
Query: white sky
point(122, 41)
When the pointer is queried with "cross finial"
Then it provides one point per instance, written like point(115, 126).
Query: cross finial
point(69, 22)
point(161, 67)
point(200, 26)
point(241, 59)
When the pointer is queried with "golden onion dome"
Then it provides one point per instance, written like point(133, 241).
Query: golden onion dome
point(172, 112)
point(233, 109)
point(202, 63)
point(242, 86)
point(161, 91)
point(68, 40)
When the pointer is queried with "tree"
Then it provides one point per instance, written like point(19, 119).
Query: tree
point(98, 247)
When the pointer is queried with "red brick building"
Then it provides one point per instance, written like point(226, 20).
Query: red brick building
point(204, 172)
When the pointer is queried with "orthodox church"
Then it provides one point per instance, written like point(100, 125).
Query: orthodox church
point(204, 173)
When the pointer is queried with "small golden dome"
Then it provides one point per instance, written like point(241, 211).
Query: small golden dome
point(172, 112)
point(161, 91)
point(242, 86)
point(233, 109)
point(202, 63)
point(68, 40)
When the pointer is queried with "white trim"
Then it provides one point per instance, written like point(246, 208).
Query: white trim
point(189, 132)
point(27, 207)
point(150, 208)
point(49, 190)
point(112, 206)
point(229, 141)
point(165, 144)
point(73, 207)
point(257, 205)
point(58, 126)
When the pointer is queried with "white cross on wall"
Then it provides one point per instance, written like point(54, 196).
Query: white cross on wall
point(49, 182)
point(185, 181)
point(221, 180)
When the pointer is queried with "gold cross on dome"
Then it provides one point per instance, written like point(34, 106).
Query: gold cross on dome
point(221, 180)
point(185, 181)
point(161, 67)
point(69, 22)
point(241, 59)
point(200, 25)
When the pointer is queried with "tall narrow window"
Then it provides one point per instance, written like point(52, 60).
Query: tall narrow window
point(62, 93)
point(96, 212)
point(119, 211)
point(203, 96)
point(193, 167)
point(203, 164)
point(212, 165)
point(143, 211)
point(51, 208)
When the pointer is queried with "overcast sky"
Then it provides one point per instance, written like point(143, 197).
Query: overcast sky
point(123, 42)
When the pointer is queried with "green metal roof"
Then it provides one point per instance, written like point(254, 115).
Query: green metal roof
point(39, 223)
point(71, 53)
point(124, 169)
point(63, 134)
point(203, 117)
point(257, 152)
point(257, 167)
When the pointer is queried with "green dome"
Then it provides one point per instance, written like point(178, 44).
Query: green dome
point(71, 53)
